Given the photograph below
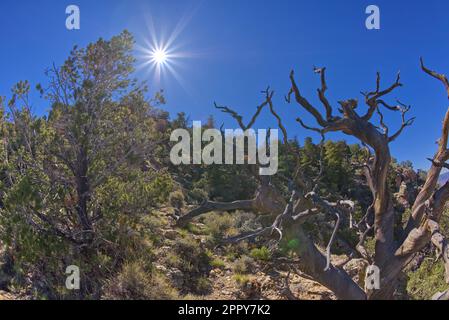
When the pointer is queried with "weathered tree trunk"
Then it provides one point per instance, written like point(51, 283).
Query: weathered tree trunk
point(390, 255)
point(313, 263)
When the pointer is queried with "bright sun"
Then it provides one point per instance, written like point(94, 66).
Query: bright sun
point(159, 56)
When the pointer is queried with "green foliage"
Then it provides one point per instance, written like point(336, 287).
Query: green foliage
point(293, 245)
point(426, 281)
point(242, 279)
point(197, 195)
point(227, 183)
point(338, 175)
point(261, 254)
point(196, 229)
point(217, 263)
point(76, 185)
point(429, 279)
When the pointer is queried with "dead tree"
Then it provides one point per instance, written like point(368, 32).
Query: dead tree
point(391, 254)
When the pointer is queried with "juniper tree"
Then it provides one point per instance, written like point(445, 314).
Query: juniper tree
point(81, 177)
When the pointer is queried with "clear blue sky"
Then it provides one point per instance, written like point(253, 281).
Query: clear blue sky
point(239, 47)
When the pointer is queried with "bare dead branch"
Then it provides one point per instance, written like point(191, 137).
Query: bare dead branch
point(405, 123)
point(322, 91)
point(382, 123)
point(305, 214)
point(304, 102)
point(263, 232)
point(441, 156)
point(239, 118)
point(308, 127)
point(371, 98)
point(436, 75)
point(277, 225)
point(438, 164)
point(269, 99)
point(331, 241)
point(317, 180)
point(360, 247)
point(386, 105)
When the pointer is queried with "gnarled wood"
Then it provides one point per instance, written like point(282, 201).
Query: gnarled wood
point(390, 255)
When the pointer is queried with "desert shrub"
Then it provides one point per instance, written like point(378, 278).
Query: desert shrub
point(349, 236)
point(245, 221)
point(176, 199)
point(227, 183)
point(78, 195)
point(220, 225)
point(193, 258)
point(243, 265)
point(242, 279)
point(197, 229)
point(224, 225)
point(149, 228)
point(234, 251)
point(193, 261)
point(135, 282)
point(261, 254)
point(202, 285)
point(217, 263)
point(426, 281)
point(197, 195)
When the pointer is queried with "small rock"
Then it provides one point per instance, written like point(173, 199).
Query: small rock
point(177, 277)
point(161, 268)
point(171, 234)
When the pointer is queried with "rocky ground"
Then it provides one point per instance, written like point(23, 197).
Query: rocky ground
point(264, 280)
point(270, 283)
point(262, 285)
point(265, 286)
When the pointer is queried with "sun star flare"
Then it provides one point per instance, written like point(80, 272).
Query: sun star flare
point(159, 56)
